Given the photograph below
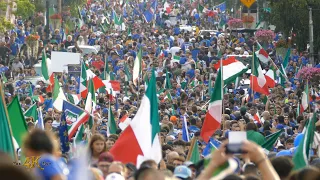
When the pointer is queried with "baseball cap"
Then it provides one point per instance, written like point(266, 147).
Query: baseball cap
point(115, 176)
point(105, 157)
point(182, 172)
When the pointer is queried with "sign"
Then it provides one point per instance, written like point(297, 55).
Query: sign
point(248, 3)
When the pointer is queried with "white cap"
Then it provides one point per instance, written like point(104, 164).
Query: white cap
point(115, 176)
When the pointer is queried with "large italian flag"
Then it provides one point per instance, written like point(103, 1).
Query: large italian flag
point(213, 117)
point(258, 81)
point(140, 141)
point(305, 98)
point(86, 75)
point(232, 68)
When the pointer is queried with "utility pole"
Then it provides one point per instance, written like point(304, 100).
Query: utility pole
point(311, 52)
point(47, 23)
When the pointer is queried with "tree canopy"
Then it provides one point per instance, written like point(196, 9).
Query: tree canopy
point(292, 17)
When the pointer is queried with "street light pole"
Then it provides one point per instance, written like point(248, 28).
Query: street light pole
point(311, 55)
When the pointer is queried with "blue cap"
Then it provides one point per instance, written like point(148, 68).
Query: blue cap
point(182, 172)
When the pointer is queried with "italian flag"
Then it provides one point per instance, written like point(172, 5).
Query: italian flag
point(124, 122)
point(305, 98)
point(262, 54)
point(271, 77)
point(301, 155)
point(213, 117)
point(232, 68)
point(112, 84)
point(86, 75)
point(58, 95)
point(140, 140)
point(91, 97)
point(137, 67)
point(258, 81)
point(47, 75)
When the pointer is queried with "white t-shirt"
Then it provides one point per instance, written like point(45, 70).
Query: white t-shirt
point(174, 50)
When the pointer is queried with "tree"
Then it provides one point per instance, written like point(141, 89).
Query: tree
point(5, 25)
point(292, 17)
point(25, 8)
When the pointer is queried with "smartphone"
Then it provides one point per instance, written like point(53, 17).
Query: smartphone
point(235, 142)
point(234, 149)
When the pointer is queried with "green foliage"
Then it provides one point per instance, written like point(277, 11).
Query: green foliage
point(25, 8)
point(293, 15)
point(73, 4)
point(40, 5)
point(5, 25)
point(3, 6)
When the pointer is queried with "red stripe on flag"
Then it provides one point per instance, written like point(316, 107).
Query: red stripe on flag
point(127, 148)
point(225, 62)
point(75, 129)
point(270, 82)
point(255, 86)
point(209, 126)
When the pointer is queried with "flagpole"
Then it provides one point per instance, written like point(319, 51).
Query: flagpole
point(222, 84)
point(6, 111)
point(192, 144)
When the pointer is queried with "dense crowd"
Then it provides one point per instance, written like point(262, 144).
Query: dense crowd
point(184, 65)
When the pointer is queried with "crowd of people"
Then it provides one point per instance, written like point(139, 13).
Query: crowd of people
point(184, 88)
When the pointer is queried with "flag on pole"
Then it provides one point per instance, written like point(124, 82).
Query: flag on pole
point(213, 116)
point(232, 68)
point(75, 116)
point(262, 54)
point(193, 154)
point(73, 98)
point(258, 81)
point(141, 136)
point(137, 67)
point(112, 126)
point(6, 136)
point(185, 132)
point(17, 121)
point(86, 75)
point(271, 140)
point(32, 112)
point(301, 155)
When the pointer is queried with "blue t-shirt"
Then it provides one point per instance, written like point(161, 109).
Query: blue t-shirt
point(50, 167)
point(176, 31)
point(191, 73)
point(14, 48)
point(48, 103)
